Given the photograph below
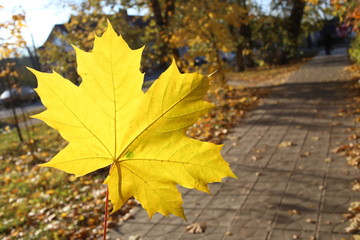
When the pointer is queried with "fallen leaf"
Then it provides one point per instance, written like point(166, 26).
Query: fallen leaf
point(286, 144)
point(196, 228)
point(135, 237)
point(315, 138)
point(334, 124)
point(354, 137)
point(310, 220)
point(356, 187)
point(305, 154)
point(293, 212)
point(127, 216)
point(348, 215)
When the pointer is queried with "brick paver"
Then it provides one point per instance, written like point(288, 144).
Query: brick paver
point(291, 185)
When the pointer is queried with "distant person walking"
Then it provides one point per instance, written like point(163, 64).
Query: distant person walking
point(327, 42)
point(328, 32)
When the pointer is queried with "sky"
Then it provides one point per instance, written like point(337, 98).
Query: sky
point(40, 17)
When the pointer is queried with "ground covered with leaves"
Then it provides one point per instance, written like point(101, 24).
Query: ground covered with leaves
point(265, 76)
point(45, 203)
point(351, 150)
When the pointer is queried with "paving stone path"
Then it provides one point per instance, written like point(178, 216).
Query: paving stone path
point(291, 185)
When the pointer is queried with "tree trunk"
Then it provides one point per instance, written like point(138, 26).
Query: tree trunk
point(240, 58)
point(246, 33)
point(220, 81)
point(163, 22)
point(12, 105)
point(293, 26)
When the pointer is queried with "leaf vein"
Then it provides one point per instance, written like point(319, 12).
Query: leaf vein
point(73, 113)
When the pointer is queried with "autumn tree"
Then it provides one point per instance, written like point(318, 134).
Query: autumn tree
point(293, 13)
point(223, 34)
point(349, 12)
point(11, 41)
point(240, 22)
point(184, 30)
point(162, 12)
point(10, 44)
point(152, 28)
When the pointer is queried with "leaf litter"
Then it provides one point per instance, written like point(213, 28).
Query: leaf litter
point(30, 197)
point(40, 194)
point(24, 205)
point(351, 150)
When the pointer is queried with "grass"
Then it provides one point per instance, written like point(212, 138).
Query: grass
point(44, 203)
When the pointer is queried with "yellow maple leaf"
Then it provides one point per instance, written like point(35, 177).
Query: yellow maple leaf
point(108, 120)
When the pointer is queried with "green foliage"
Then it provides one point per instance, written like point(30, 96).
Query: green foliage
point(354, 50)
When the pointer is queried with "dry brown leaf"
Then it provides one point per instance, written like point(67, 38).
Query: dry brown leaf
point(135, 237)
point(356, 237)
point(305, 154)
point(334, 124)
point(293, 212)
point(196, 228)
point(355, 161)
point(356, 186)
point(127, 216)
point(286, 144)
point(310, 220)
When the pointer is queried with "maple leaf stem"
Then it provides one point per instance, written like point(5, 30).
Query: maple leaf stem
point(106, 212)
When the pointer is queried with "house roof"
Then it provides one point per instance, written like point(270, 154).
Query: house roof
point(133, 20)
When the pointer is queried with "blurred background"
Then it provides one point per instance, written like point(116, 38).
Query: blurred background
point(227, 36)
point(243, 42)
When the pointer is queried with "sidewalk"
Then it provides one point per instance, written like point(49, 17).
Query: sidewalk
point(291, 185)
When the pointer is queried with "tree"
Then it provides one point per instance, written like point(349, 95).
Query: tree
point(10, 44)
point(349, 12)
point(152, 28)
point(293, 25)
point(80, 30)
point(241, 29)
point(162, 17)
point(292, 12)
